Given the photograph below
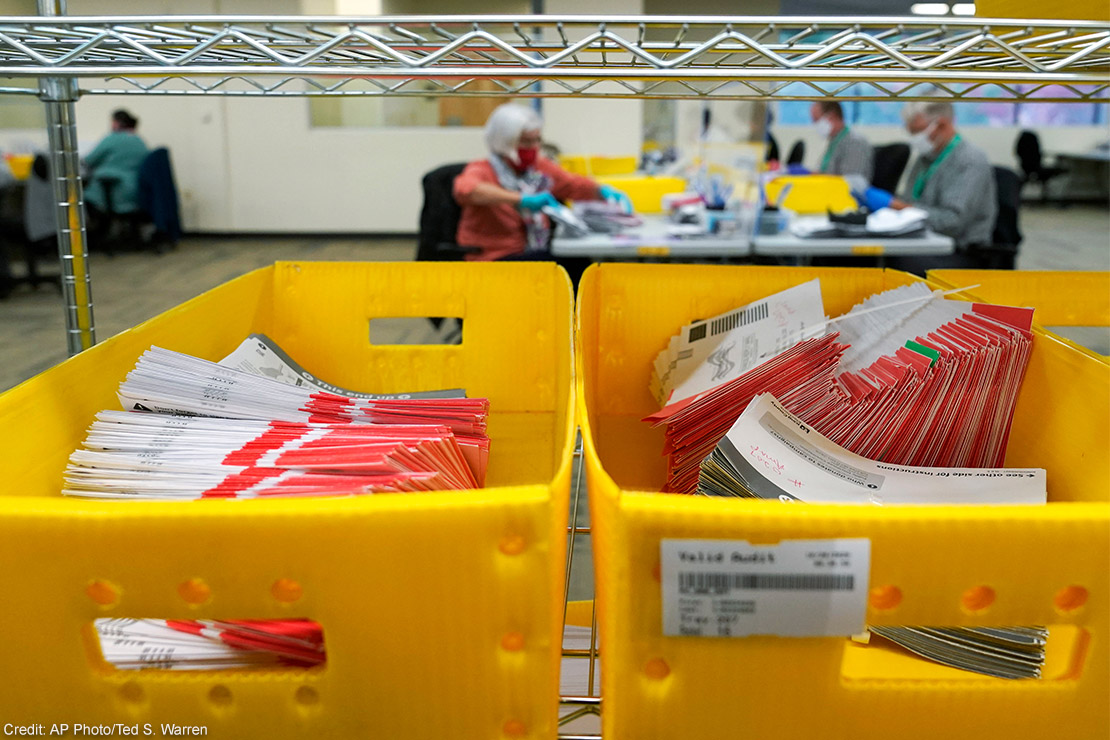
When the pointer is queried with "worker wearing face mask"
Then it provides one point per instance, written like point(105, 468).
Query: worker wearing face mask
point(846, 152)
point(951, 179)
point(503, 196)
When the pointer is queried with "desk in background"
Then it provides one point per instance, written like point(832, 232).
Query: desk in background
point(1088, 173)
point(651, 240)
point(788, 245)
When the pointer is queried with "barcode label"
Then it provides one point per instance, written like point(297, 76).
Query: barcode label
point(747, 316)
point(795, 588)
point(723, 583)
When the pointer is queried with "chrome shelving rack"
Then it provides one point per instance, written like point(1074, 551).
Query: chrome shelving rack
point(757, 58)
point(733, 58)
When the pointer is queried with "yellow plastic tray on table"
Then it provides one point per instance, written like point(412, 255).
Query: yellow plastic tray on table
point(811, 194)
point(596, 165)
point(645, 191)
point(1041, 562)
point(20, 165)
point(1062, 298)
point(442, 612)
point(600, 165)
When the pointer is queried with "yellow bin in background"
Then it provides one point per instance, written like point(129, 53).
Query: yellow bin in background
point(1046, 565)
point(645, 191)
point(594, 165)
point(811, 194)
point(441, 612)
point(1062, 298)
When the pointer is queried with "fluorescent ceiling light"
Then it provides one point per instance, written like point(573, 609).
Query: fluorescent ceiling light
point(963, 9)
point(358, 7)
point(929, 8)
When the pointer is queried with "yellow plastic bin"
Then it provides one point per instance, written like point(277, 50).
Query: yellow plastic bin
point(20, 165)
point(811, 194)
point(645, 191)
point(442, 612)
point(1062, 298)
point(601, 165)
point(575, 164)
point(1046, 565)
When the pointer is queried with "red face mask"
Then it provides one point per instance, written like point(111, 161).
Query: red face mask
point(527, 157)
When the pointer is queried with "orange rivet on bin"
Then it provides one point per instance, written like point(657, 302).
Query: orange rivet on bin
point(194, 591)
point(657, 668)
point(978, 598)
point(307, 696)
point(885, 597)
point(512, 641)
point(514, 728)
point(131, 692)
point(1070, 598)
point(286, 590)
point(220, 696)
point(102, 593)
point(656, 573)
point(512, 544)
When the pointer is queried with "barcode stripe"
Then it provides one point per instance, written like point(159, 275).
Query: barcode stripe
point(743, 318)
point(722, 583)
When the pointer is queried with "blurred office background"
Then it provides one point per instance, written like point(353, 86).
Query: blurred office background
point(266, 178)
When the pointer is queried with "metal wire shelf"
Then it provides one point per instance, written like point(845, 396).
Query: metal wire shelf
point(621, 56)
point(754, 58)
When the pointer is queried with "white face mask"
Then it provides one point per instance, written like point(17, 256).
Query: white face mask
point(920, 142)
point(824, 128)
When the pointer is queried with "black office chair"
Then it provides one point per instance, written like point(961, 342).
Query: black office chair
point(115, 232)
point(156, 225)
point(439, 217)
point(23, 208)
point(889, 164)
point(1002, 253)
point(158, 200)
point(797, 153)
point(1028, 151)
point(772, 149)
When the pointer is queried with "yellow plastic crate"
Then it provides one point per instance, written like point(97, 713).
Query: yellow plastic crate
point(645, 191)
point(766, 687)
point(20, 165)
point(1062, 298)
point(600, 165)
point(575, 164)
point(595, 165)
point(442, 612)
point(812, 193)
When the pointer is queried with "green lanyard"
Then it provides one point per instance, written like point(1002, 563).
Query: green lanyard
point(832, 148)
point(919, 184)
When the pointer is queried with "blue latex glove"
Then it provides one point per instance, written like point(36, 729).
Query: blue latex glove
point(797, 169)
point(874, 199)
point(537, 201)
point(611, 194)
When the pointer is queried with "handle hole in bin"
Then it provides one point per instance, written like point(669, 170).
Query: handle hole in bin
point(190, 646)
point(416, 330)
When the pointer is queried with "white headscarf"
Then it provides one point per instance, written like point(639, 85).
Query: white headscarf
point(504, 127)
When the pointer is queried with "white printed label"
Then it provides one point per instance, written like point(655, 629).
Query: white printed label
point(796, 588)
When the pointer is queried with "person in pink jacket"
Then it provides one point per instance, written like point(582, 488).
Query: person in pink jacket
point(503, 196)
